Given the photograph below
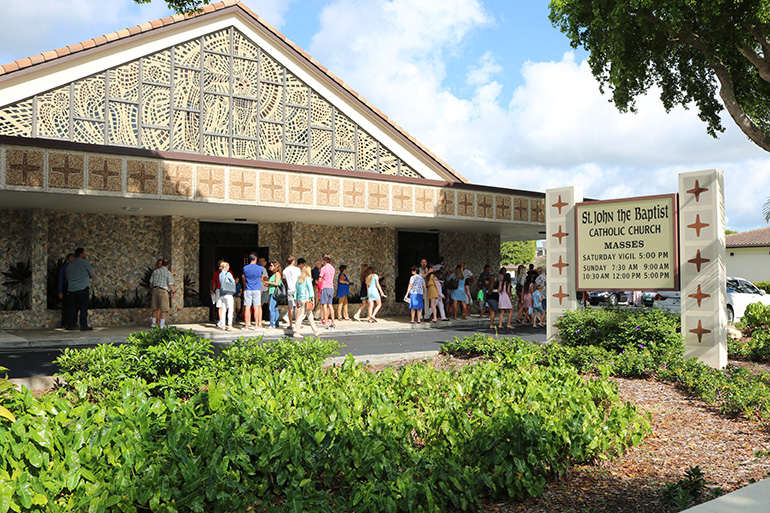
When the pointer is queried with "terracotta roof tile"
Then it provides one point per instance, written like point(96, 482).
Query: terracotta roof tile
point(125, 33)
point(750, 239)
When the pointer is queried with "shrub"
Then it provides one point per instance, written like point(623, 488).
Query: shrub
point(685, 492)
point(173, 360)
point(253, 352)
point(756, 316)
point(305, 438)
point(754, 349)
point(764, 285)
point(163, 359)
point(617, 329)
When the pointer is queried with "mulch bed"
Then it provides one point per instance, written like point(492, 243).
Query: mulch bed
point(686, 432)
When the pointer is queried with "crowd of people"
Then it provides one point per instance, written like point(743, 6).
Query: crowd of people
point(434, 293)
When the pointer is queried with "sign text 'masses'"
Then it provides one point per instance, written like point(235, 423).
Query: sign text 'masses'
point(628, 244)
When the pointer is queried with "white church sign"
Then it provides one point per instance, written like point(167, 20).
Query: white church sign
point(636, 244)
point(627, 244)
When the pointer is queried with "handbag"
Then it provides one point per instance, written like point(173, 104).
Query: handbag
point(226, 285)
point(452, 283)
point(279, 293)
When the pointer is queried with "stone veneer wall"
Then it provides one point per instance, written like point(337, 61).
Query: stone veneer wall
point(14, 237)
point(374, 246)
point(475, 249)
point(192, 238)
point(352, 246)
point(119, 248)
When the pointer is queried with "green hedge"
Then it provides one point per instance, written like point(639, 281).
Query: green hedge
point(764, 285)
point(275, 431)
point(734, 391)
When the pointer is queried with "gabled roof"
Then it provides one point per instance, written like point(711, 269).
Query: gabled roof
point(51, 58)
point(750, 239)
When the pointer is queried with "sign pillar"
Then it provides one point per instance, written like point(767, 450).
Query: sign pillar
point(702, 266)
point(560, 253)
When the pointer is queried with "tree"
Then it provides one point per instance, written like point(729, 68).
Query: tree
point(181, 6)
point(688, 48)
point(519, 252)
point(766, 210)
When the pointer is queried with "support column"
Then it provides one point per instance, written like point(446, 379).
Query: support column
point(173, 248)
point(560, 253)
point(702, 266)
point(38, 253)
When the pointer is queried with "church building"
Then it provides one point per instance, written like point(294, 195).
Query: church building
point(207, 137)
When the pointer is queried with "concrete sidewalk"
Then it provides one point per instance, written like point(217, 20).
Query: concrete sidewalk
point(59, 338)
point(754, 498)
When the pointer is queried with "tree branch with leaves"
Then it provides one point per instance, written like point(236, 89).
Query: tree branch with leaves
point(686, 48)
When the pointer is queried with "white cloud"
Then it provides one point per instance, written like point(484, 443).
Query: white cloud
point(273, 11)
point(487, 68)
point(556, 129)
point(58, 23)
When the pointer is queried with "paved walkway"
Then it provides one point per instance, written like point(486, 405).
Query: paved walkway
point(46, 338)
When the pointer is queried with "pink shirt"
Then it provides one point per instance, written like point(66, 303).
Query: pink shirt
point(327, 276)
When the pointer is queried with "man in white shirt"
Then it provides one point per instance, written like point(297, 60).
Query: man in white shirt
point(290, 274)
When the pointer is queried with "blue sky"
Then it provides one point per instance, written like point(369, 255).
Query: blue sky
point(488, 85)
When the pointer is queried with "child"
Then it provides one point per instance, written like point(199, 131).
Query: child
point(343, 289)
point(537, 307)
point(416, 298)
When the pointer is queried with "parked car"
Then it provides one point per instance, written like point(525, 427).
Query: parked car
point(648, 297)
point(740, 294)
point(668, 300)
point(611, 297)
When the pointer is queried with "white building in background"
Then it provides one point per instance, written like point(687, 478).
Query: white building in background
point(748, 254)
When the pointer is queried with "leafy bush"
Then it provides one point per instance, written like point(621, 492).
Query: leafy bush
point(163, 359)
point(173, 360)
point(297, 437)
point(252, 352)
point(5, 387)
point(764, 285)
point(618, 329)
point(756, 316)
point(687, 491)
point(733, 390)
point(754, 349)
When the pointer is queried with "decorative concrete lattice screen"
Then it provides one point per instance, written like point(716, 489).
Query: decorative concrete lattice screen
point(219, 95)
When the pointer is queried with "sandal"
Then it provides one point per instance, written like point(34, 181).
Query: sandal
point(371, 320)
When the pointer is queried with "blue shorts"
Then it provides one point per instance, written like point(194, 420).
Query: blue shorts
point(416, 301)
point(326, 296)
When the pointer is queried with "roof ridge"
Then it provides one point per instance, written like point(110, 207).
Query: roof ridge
point(176, 18)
